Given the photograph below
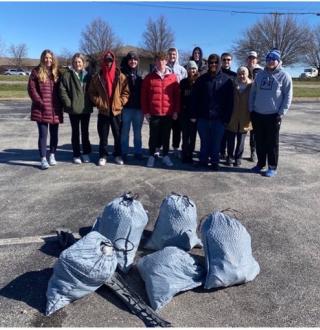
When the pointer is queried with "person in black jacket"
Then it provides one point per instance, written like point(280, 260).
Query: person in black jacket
point(132, 113)
point(212, 103)
point(189, 126)
point(226, 61)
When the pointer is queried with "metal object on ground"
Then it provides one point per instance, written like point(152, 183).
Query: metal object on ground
point(118, 285)
point(135, 303)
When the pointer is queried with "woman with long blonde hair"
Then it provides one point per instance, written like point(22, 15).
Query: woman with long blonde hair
point(46, 110)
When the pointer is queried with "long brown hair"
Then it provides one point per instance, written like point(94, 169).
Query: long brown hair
point(43, 72)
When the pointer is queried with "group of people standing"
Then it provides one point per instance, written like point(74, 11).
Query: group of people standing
point(204, 96)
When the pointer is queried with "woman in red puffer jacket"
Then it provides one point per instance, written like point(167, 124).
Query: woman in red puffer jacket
point(46, 110)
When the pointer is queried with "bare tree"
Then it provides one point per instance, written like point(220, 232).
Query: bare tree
point(2, 47)
point(65, 57)
point(274, 31)
point(158, 36)
point(18, 53)
point(184, 56)
point(312, 51)
point(96, 39)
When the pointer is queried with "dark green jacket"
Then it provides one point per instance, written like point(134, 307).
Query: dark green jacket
point(74, 97)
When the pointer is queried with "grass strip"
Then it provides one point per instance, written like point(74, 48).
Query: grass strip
point(13, 78)
point(306, 92)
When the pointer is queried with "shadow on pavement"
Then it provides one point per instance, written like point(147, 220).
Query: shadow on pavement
point(29, 288)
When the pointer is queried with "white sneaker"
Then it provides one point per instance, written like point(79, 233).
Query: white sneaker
point(167, 161)
point(119, 160)
point(77, 160)
point(150, 162)
point(102, 161)
point(44, 164)
point(86, 158)
point(52, 160)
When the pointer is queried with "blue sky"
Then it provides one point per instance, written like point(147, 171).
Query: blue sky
point(58, 25)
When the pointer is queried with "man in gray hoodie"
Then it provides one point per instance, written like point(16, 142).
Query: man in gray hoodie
point(270, 99)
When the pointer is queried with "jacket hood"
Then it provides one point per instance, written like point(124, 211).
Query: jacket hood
point(201, 54)
point(177, 59)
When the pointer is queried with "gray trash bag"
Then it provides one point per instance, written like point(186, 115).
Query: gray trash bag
point(228, 253)
point(80, 270)
point(176, 224)
point(167, 272)
point(123, 221)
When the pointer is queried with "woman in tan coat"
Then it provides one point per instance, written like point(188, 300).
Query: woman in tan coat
point(109, 92)
point(239, 123)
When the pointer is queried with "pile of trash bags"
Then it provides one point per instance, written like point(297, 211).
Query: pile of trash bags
point(115, 238)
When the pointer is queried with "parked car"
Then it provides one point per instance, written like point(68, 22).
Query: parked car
point(309, 73)
point(15, 72)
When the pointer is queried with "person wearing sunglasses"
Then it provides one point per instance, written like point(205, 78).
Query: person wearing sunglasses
point(270, 99)
point(226, 61)
point(212, 103)
point(109, 92)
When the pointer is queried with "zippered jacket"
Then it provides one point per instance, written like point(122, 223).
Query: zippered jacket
point(74, 94)
point(160, 96)
point(46, 106)
point(98, 95)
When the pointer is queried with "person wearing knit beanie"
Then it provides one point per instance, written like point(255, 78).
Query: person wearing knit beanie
point(270, 100)
point(273, 55)
point(192, 65)
point(132, 114)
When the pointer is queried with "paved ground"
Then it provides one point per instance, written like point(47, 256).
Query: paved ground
point(281, 214)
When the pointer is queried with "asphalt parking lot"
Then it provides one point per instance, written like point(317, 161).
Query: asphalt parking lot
point(280, 213)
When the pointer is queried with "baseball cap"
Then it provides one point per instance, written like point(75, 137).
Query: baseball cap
point(253, 54)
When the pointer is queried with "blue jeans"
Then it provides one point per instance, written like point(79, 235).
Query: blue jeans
point(211, 132)
point(134, 116)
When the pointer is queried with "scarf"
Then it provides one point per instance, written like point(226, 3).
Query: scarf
point(109, 75)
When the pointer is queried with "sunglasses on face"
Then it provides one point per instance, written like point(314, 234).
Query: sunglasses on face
point(108, 60)
point(213, 62)
point(226, 59)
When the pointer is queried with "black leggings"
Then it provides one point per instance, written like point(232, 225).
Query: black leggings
point(81, 120)
point(42, 141)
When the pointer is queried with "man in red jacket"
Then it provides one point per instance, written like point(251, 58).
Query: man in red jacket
point(160, 102)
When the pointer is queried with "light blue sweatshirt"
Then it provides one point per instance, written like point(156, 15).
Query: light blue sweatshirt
point(271, 92)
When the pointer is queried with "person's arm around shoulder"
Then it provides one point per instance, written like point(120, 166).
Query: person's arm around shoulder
point(32, 89)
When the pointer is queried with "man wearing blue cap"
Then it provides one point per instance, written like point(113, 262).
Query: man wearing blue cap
point(270, 99)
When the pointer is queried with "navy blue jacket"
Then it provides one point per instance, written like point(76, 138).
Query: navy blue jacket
point(212, 97)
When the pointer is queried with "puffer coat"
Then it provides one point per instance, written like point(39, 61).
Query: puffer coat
point(160, 97)
point(46, 106)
